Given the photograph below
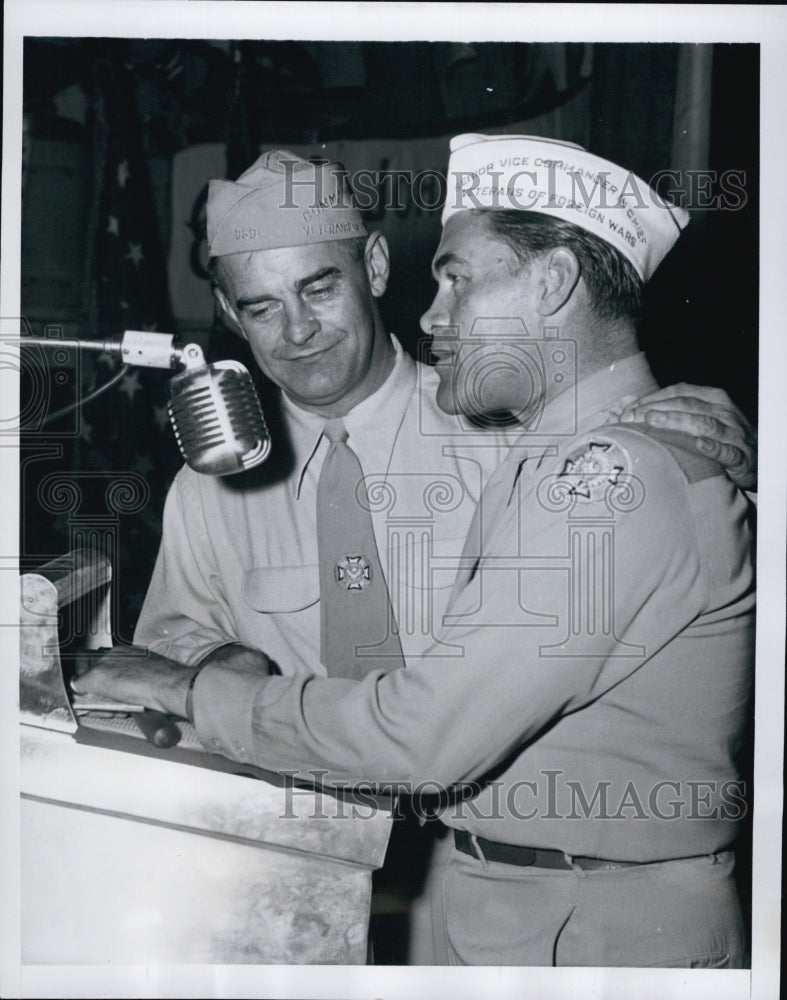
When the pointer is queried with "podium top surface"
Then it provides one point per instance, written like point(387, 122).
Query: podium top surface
point(57, 768)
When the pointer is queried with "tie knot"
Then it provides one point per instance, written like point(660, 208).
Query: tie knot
point(335, 430)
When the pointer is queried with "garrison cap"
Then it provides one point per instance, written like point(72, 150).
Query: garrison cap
point(560, 179)
point(282, 200)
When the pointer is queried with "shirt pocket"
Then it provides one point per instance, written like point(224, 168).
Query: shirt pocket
point(279, 589)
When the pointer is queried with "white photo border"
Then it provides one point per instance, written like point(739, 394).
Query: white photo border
point(766, 26)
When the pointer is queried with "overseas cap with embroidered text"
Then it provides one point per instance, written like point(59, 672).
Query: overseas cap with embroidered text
point(282, 200)
point(563, 180)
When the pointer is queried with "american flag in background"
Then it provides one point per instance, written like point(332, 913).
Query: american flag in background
point(127, 430)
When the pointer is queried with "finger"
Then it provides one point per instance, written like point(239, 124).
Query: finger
point(694, 424)
point(706, 393)
point(637, 411)
point(680, 404)
point(94, 671)
point(86, 683)
point(733, 459)
point(110, 683)
point(86, 659)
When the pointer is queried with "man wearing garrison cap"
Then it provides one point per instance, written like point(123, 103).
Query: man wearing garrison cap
point(583, 694)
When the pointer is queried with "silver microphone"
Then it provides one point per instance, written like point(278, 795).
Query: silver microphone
point(214, 409)
point(216, 416)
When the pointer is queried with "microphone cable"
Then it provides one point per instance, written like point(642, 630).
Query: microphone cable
point(64, 410)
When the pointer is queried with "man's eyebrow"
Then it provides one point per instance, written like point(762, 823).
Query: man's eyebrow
point(255, 300)
point(325, 272)
point(445, 259)
point(252, 300)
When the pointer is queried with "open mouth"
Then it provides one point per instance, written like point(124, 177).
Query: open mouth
point(443, 350)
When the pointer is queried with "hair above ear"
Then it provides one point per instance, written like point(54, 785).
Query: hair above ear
point(230, 316)
point(613, 287)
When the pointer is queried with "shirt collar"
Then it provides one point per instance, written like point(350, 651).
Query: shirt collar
point(593, 400)
point(372, 425)
point(596, 399)
point(602, 393)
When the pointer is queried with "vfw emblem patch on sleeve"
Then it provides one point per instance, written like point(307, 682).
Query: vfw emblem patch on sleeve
point(593, 467)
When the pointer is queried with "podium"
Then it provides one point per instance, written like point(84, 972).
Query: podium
point(133, 855)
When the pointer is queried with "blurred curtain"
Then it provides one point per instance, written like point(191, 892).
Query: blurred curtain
point(692, 115)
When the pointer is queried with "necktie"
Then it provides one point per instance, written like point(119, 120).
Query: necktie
point(358, 631)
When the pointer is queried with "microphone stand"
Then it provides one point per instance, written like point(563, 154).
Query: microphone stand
point(214, 409)
point(135, 347)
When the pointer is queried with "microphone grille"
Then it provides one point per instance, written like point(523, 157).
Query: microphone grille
point(217, 419)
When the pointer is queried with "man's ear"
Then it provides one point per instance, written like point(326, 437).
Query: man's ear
point(229, 314)
point(560, 272)
point(377, 262)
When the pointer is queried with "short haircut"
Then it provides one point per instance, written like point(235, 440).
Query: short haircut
point(355, 247)
point(614, 287)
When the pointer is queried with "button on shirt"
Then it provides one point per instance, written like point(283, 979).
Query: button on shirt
point(238, 560)
point(601, 655)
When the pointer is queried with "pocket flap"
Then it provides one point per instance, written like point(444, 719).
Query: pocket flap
point(281, 588)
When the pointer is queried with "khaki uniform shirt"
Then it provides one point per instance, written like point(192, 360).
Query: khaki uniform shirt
point(589, 689)
point(238, 559)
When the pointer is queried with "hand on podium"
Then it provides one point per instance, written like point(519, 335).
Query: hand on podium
point(136, 675)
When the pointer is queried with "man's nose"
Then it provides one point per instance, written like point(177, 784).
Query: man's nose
point(302, 324)
point(435, 316)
